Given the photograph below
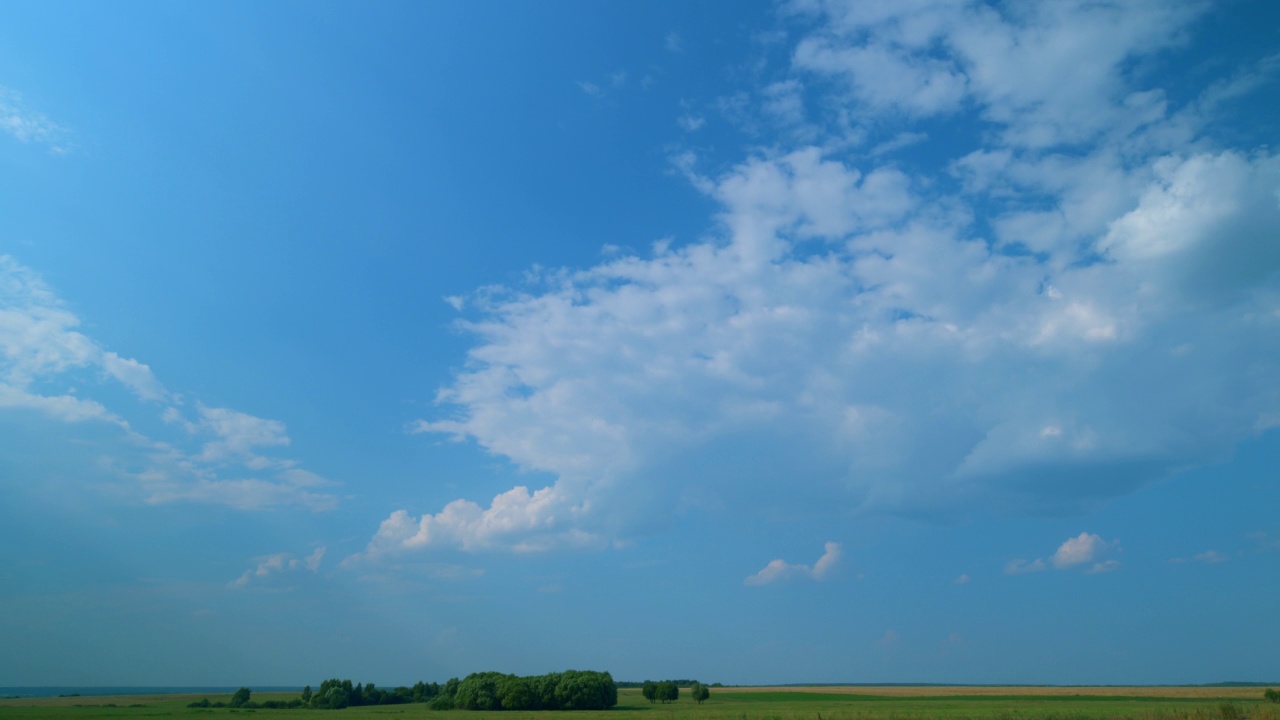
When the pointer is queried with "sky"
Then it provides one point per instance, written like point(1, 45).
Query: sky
point(752, 342)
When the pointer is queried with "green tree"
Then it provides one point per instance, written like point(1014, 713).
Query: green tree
point(306, 695)
point(1272, 695)
point(699, 692)
point(668, 691)
point(650, 691)
point(240, 698)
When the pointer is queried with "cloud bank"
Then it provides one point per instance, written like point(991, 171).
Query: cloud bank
point(1084, 298)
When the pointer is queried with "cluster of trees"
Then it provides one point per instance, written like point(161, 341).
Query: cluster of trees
point(1272, 695)
point(569, 690)
point(669, 691)
point(335, 694)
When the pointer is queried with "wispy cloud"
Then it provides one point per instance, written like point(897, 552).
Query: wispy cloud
point(779, 570)
point(673, 42)
point(29, 126)
point(41, 347)
point(276, 564)
point(1020, 567)
point(1208, 557)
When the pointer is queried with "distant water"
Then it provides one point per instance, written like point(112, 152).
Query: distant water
point(27, 692)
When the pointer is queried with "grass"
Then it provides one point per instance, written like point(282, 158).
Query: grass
point(824, 703)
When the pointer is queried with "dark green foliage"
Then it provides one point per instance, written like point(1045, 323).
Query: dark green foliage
point(569, 690)
point(699, 692)
point(241, 698)
point(1272, 695)
point(668, 691)
point(650, 691)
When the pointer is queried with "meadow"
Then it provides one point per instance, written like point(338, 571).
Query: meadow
point(807, 703)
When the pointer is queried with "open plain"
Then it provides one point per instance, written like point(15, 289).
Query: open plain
point(750, 703)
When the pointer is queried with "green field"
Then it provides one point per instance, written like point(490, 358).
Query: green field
point(858, 703)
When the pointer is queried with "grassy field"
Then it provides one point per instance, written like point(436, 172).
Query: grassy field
point(820, 703)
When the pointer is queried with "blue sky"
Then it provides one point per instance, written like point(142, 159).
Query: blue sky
point(752, 342)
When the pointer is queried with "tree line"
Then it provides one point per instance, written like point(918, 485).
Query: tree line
point(569, 690)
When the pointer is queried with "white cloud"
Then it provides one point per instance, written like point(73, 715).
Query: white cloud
point(1020, 567)
point(963, 579)
point(1040, 324)
point(28, 126)
point(673, 42)
point(1048, 72)
point(41, 348)
point(691, 123)
point(778, 570)
point(517, 520)
point(1078, 550)
point(278, 563)
point(312, 561)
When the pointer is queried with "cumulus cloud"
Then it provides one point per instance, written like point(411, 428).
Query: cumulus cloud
point(779, 570)
point(1083, 549)
point(1087, 301)
point(1078, 550)
point(41, 348)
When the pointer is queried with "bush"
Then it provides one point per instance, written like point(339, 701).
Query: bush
point(1272, 695)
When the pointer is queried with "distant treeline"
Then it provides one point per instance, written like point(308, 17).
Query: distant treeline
point(679, 683)
point(569, 690)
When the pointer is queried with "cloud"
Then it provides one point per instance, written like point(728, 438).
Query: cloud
point(41, 348)
point(28, 126)
point(1046, 72)
point(963, 579)
point(517, 520)
point(673, 43)
point(691, 123)
point(1020, 567)
point(269, 565)
point(779, 570)
point(1208, 557)
point(1078, 550)
point(1082, 300)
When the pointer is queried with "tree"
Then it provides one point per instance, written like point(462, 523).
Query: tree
point(240, 698)
point(1272, 695)
point(306, 695)
point(668, 691)
point(650, 691)
point(699, 692)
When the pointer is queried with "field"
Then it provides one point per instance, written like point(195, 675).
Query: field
point(809, 703)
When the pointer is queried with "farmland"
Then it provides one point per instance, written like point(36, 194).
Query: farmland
point(755, 703)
